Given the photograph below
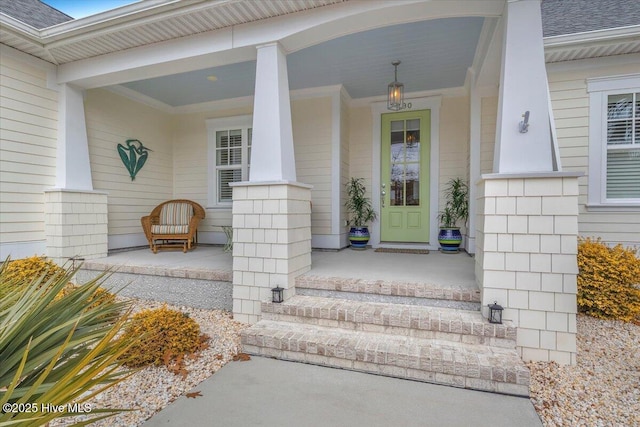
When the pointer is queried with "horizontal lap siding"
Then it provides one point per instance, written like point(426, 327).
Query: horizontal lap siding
point(454, 142)
point(28, 134)
point(111, 120)
point(190, 163)
point(312, 136)
point(344, 163)
point(360, 146)
point(570, 102)
point(489, 118)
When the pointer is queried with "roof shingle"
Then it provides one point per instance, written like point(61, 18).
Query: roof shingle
point(576, 16)
point(33, 12)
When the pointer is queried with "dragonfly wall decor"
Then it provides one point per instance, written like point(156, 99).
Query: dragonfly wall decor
point(134, 156)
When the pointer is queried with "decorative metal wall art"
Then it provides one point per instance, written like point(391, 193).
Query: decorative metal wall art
point(134, 156)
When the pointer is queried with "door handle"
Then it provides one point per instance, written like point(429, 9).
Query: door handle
point(382, 194)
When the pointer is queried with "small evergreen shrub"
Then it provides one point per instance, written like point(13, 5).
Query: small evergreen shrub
point(163, 337)
point(608, 281)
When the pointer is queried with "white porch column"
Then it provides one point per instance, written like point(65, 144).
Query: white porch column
point(271, 212)
point(73, 170)
point(523, 87)
point(527, 210)
point(272, 157)
point(475, 129)
point(75, 215)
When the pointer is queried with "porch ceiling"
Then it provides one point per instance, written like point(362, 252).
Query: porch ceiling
point(435, 54)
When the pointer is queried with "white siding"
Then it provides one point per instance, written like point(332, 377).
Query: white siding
point(111, 120)
point(311, 119)
point(570, 102)
point(489, 113)
point(360, 145)
point(344, 164)
point(190, 164)
point(28, 134)
point(312, 125)
point(454, 142)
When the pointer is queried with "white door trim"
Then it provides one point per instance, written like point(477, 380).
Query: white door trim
point(377, 109)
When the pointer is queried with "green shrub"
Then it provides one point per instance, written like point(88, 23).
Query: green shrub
point(162, 336)
point(608, 281)
point(55, 349)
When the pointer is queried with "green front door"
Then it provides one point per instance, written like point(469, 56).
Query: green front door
point(405, 177)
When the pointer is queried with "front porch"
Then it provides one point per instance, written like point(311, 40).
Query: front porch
point(202, 277)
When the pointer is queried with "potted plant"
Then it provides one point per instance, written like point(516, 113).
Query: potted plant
point(456, 208)
point(360, 213)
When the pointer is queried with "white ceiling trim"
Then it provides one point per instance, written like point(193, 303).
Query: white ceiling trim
point(225, 104)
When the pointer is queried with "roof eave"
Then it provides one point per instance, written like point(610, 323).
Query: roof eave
point(609, 34)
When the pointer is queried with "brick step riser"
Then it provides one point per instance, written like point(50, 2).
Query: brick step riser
point(400, 289)
point(397, 330)
point(390, 299)
point(403, 367)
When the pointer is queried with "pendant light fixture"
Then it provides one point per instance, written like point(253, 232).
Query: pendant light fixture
point(395, 93)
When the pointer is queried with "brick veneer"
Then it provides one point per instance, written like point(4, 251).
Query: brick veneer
point(75, 224)
point(526, 258)
point(271, 242)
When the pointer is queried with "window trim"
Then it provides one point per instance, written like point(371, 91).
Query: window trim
point(599, 90)
point(220, 124)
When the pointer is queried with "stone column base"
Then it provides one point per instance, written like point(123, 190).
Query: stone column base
point(271, 242)
point(526, 258)
point(75, 224)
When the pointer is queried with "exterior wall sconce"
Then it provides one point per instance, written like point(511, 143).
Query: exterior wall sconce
point(395, 92)
point(495, 313)
point(524, 124)
point(277, 294)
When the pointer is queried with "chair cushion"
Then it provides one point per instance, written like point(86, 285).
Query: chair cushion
point(176, 214)
point(170, 229)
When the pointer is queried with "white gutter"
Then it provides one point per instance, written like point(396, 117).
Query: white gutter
point(610, 34)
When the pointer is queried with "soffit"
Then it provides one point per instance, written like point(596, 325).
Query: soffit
point(592, 44)
point(72, 41)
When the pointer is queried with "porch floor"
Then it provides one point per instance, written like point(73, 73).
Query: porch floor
point(212, 263)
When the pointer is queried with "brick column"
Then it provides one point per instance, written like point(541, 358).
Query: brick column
point(75, 224)
point(271, 242)
point(526, 258)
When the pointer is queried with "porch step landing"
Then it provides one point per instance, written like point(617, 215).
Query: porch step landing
point(431, 344)
point(394, 292)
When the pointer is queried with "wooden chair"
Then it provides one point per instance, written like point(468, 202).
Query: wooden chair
point(173, 224)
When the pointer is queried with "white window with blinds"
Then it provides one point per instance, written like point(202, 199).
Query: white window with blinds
point(229, 141)
point(614, 141)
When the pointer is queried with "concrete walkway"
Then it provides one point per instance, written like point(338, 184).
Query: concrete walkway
point(268, 392)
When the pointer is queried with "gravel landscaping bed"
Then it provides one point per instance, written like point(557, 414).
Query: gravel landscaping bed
point(153, 388)
point(603, 389)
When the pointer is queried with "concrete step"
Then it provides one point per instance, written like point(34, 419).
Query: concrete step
point(395, 319)
point(463, 365)
point(394, 292)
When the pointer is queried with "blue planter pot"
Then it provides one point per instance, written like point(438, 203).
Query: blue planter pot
point(359, 237)
point(450, 239)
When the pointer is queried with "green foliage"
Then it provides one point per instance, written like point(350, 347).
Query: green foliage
point(608, 281)
point(162, 336)
point(56, 349)
point(359, 207)
point(456, 207)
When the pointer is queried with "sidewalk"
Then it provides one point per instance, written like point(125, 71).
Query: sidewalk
point(269, 392)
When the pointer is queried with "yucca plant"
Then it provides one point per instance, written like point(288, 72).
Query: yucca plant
point(56, 351)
